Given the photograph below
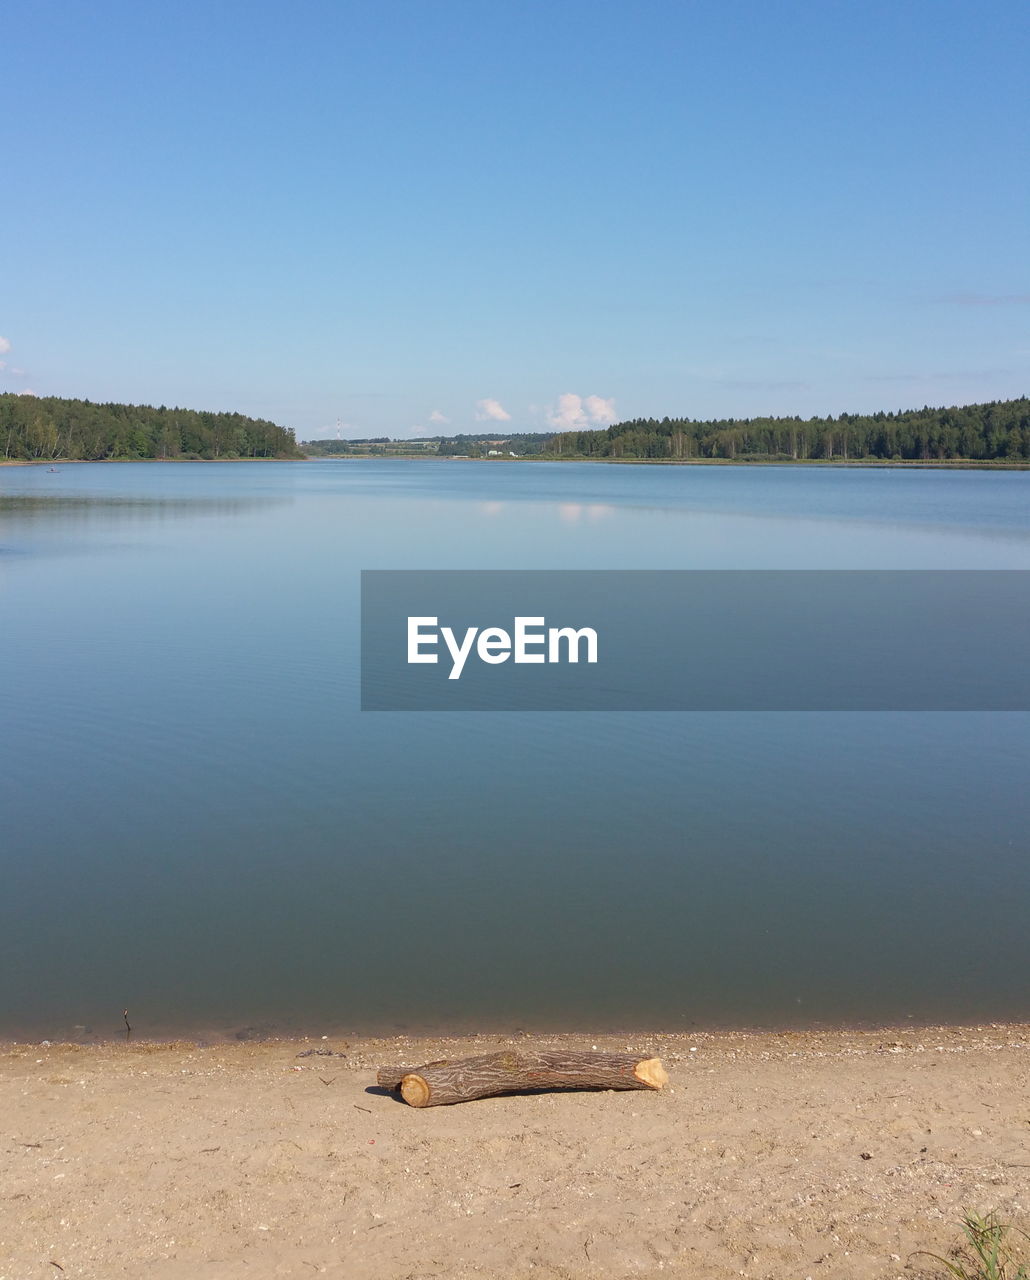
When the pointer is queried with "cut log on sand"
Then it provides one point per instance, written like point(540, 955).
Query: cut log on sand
point(442, 1082)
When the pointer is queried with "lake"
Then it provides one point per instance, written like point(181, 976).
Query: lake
point(201, 826)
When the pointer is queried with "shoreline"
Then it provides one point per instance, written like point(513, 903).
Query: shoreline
point(886, 464)
point(838, 1038)
point(220, 1036)
point(67, 462)
point(798, 1041)
point(769, 1155)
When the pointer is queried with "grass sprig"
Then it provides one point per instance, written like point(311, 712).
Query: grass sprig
point(988, 1255)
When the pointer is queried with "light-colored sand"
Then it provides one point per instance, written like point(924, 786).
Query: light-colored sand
point(832, 1154)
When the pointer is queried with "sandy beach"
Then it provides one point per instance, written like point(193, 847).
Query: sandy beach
point(792, 1155)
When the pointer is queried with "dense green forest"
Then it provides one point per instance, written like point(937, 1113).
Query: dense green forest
point(998, 431)
point(995, 432)
point(44, 427)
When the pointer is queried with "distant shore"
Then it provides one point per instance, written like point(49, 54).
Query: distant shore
point(62, 462)
point(928, 464)
point(769, 1154)
point(931, 464)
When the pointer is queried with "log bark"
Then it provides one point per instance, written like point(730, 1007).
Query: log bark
point(446, 1081)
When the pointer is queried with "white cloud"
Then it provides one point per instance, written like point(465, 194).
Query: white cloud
point(569, 413)
point(600, 410)
point(3, 364)
point(491, 411)
point(574, 413)
point(437, 416)
point(25, 391)
point(5, 346)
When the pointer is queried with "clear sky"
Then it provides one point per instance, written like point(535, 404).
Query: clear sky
point(400, 212)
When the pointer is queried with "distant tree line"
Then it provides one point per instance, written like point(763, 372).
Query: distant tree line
point(524, 444)
point(341, 448)
point(48, 428)
point(998, 430)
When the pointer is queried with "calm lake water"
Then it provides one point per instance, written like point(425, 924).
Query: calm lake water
point(199, 824)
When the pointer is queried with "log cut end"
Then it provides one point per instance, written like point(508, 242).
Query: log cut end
point(414, 1090)
point(652, 1073)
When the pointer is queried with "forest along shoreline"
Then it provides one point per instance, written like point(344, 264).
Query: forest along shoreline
point(911, 464)
point(49, 429)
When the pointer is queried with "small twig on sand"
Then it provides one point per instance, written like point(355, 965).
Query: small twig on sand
point(365, 1109)
point(128, 1029)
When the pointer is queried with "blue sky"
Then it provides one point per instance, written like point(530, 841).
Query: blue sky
point(559, 212)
